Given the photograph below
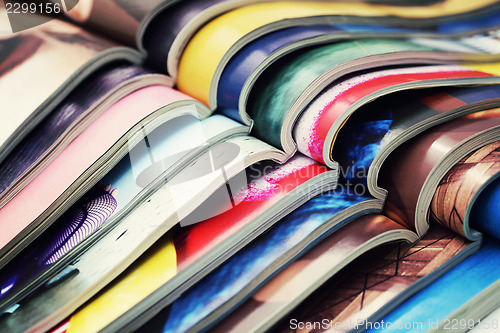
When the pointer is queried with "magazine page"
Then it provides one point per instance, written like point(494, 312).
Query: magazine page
point(193, 65)
point(426, 310)
point(231, 74)
point(262, 258)
point(182, 311)
point(492, 319)
point(288, 288)
point(318, 126)
point(43, 64)
point(376, 129)
point(67, 120)
point(289, 79)
point(160, 210)
point(121, 26)
point(159, 31)
point(268, 312)
point(467, 204)
point(127, 183)
point(79, 163)
point(461, 187)
point(259, 48)
point(350, 296)
point(405, 182)
point(185, 54)
point(155, 267)
point(199, 246)
point(124, 202)
point(173, 23)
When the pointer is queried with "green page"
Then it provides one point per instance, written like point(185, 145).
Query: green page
point(283, 82)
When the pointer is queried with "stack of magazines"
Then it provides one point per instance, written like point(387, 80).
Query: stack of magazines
point(249, 166)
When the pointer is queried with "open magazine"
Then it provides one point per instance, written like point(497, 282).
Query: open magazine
point(15, 183)
point(471, 185)
point(194, 235)
point(59, 266)
point(141, 26)
point(128, 252)
point(188, 312)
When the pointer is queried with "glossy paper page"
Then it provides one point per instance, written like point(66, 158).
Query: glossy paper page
point(241, 65)
point(155, 267)
point(417, 157)
point(229, 279)
point(77, 157)
point(374, 126)
point(36, 64)
point(316, 130)
point(166, 22)
point(485, 211)
point(261, 196)
point(124, 22)
point(427, 310)
point(217, 36)
point(457, 194)
point(167, 145)
point(246, 60)
point(194, 242)
point(351, 295)
point(300, 277)
point(165, 206)
point(63, 122)
point(285, 82)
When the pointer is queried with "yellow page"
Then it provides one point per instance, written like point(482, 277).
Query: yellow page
point(145, 276)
